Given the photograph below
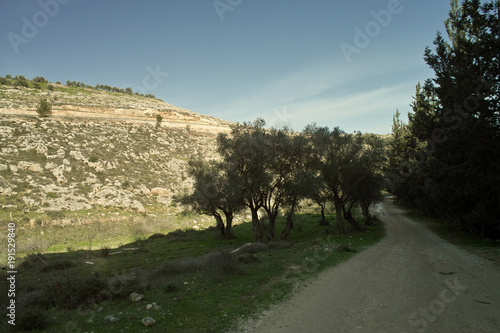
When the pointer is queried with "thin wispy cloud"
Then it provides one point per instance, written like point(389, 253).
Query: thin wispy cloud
point(358, 111)
point(322, 94)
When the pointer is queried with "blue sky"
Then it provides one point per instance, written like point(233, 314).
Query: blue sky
point(281, 60)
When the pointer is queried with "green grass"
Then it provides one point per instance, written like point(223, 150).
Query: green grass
point(469, 241)
point(190, 274)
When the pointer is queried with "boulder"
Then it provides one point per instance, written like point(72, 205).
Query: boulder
point(135, 297)
point(142, 190)
point(31, 166)
point(50, 166)
point(77, 156)
point(159, 191)
point(111, 319)
point(147, 321)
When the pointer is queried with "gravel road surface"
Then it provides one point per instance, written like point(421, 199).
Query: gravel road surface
point(411, 281)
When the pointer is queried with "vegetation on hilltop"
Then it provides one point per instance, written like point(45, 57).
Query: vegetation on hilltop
point(37, 81)
point(19, 95)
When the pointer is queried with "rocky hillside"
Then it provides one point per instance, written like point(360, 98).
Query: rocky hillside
point(97, 104)
point(98, 150)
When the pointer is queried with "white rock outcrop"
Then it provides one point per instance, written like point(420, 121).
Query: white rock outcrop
point(54, 164)
point(31, 166)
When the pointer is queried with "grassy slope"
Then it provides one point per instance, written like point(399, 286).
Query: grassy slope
point(199, 294)
point(486, 248)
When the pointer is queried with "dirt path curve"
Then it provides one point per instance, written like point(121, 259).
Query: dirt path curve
point(411, 281)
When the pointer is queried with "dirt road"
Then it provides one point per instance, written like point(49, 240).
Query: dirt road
point(412, 281)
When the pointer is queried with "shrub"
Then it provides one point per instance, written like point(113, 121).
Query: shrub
point(171, 287)
point(179, 266)
point(177, 233)
point(32, 298)
point(105, 252)
point(157, 235)
point(58, 265)
point(44, 108)
point(50, 87)
point(248, 258)
point(346, 247)
point(324, 222)
point(279, 245)
point(159, 118)
point(31, 260)
point(21, 81)
point(70, 293)
point(53, 214)
point(32, 318)
point(251, 248)
point(40, 79)
point(93, 157)
point(223, 262)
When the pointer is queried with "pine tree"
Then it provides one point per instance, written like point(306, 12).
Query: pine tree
point(464, 173)
point(423, 118)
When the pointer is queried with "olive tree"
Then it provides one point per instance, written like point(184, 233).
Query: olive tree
point(215, 193)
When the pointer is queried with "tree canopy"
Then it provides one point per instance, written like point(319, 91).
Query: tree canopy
point(274, 170)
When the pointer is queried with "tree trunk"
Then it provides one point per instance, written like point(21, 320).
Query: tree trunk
point(229, 226)
point(257, 229)
point(288, 227)
point(272, 223)
point(348, 216)
point(289, 221)
point(322, 212)
point(220, 225)
point(339, 216)
point(365, 209)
